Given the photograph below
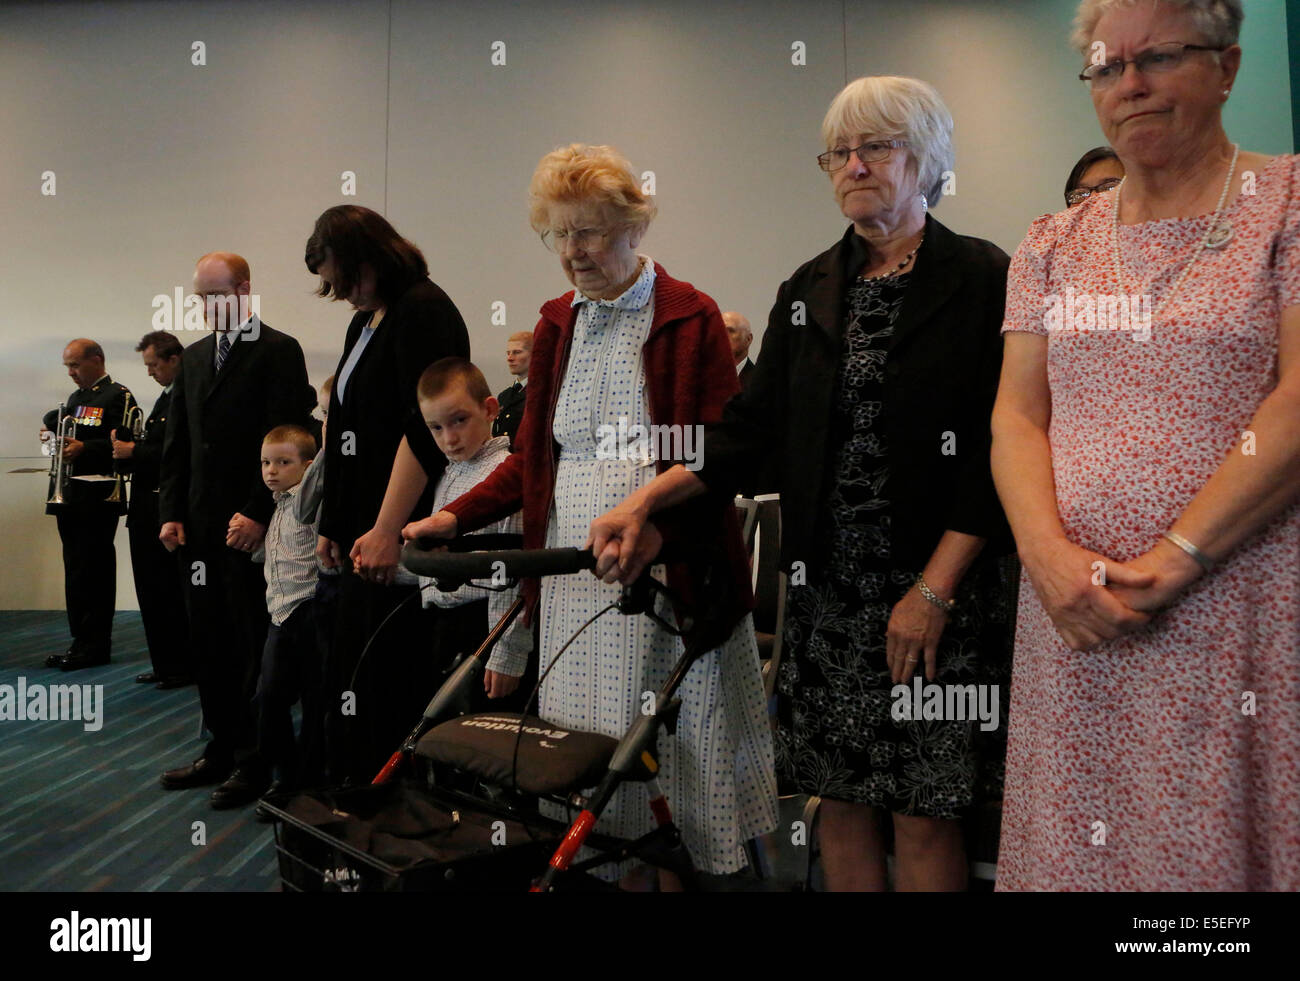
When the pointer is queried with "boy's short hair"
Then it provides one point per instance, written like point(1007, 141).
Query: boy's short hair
point(524, 337)
point(445, 372)
point(304, 441)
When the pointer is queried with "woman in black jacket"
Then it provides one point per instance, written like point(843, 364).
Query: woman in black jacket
point(374, 485)
point(874, 387)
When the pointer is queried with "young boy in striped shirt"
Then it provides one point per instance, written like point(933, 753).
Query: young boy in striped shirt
point(290, 660)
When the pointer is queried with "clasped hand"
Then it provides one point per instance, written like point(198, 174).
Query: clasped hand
point(1092, 599)
point(244, 534)
point(375, 556)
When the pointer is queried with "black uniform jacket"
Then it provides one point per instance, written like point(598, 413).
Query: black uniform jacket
point(145, 464)
point(98, 411)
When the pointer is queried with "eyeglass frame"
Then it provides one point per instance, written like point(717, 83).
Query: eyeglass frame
point(1124, 63)
point(1098, 188)
point(552, 242)
point(823, 159)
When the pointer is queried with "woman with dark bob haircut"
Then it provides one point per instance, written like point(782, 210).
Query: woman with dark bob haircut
point(403, 323)
point(1098, 170)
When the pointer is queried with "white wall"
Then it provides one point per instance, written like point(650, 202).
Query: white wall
point(158, 161)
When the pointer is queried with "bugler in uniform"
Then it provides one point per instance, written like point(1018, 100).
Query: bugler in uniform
point(87, 522)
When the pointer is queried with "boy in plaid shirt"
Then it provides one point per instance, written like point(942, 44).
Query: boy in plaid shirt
point(459, 408)
point(290, 662)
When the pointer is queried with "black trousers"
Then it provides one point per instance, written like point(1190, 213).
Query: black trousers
point(454, 634)
point(291, 670)
point(162, 598)
point(368, 702)
point(228, 620)
point(459, 632)
point(89, 573)
point(408, 659)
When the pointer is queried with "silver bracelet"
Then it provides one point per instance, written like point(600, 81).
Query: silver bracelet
point(946, 605)
point(1200, 557)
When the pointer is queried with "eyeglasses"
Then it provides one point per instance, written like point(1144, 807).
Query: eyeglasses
point(584, 239)
point(873, 152)
point(1081, 194)
point(1153, 61)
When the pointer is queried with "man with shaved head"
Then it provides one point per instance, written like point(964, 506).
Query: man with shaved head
point(741, 336)
point(87, 521)
point(236, 384)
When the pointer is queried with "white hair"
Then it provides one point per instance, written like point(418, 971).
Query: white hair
point(1217, 21)
point(896, 107)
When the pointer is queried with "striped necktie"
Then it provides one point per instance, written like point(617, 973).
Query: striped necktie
point(223, 349)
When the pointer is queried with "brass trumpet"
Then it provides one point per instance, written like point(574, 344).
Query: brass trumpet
point(133, 419)
point(65, 430)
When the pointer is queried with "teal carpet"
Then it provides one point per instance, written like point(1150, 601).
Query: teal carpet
point(83, 811)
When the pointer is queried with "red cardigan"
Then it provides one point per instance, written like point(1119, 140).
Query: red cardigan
point(689, 378)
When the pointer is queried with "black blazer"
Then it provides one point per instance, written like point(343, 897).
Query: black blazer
point(212, 453)
point(145, 465)
point(365, 430)
point(512, 402)
point(745, 371)
point(941, 377)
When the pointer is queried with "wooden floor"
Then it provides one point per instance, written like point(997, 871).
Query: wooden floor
point(83, 811)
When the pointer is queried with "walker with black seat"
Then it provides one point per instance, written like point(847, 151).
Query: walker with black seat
point(514, 760)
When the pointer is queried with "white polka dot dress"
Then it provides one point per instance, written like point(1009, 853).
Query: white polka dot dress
point(717, 771)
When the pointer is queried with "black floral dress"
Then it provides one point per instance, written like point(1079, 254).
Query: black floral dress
point(837, 736)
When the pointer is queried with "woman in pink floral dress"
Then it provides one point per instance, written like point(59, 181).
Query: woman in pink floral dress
point(1147, 452)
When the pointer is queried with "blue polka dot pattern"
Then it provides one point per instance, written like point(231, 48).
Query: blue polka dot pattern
point(717, 771)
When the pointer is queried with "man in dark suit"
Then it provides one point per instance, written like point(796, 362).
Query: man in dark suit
point(519, 351)
point(156, 572)
point(741, 336)
point(235, 385)
point(86, 515)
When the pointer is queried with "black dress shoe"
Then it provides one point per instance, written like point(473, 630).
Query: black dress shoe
point(168, 682)
point(54, 660)
point(244, 786)
point(148, 678)
point(85, 659)
point(201, 773)
point(277, 788)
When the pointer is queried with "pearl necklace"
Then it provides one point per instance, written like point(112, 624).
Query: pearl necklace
point(1216, 236)
point(898, 268)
